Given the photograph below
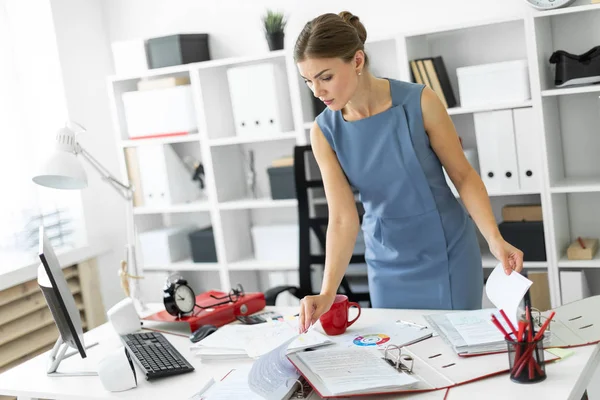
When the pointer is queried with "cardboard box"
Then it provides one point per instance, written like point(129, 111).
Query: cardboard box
point(522, 212)
point(539, 291)
point(577, 252)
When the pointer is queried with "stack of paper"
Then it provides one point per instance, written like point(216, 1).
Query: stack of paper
point(472, 332)
point(252, 341)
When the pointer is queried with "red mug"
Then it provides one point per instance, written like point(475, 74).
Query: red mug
point(335, 321)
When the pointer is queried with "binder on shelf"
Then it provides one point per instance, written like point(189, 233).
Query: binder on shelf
point(164, 178)
point(527, 140)
point(432, 72)
point(134, 175)
point(497, 151)
point(260, 99)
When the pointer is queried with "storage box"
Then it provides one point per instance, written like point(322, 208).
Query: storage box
point(180, 49)
point(522, 212)
point(129, 56)
point(496, 83)
point(576, 252)
point(527, 237)
point(203, 247)
point(159, 112)
point(165, 246)
point(276, 242)
point(283, 185)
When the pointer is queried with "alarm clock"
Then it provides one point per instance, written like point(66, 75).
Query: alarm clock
point(548, 4)
point(178, 297)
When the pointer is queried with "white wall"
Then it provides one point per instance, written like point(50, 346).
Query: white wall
point(235, 29)
point(85, 59)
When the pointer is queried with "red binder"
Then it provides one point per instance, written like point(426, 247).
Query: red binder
point(220, 315)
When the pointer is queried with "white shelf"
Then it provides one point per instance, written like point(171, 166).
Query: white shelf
point(566, 10)
point(227, 141)
point(576, 185)
point(186, 265)
point(571, 90)
point(202, 205)
point(489, 261)
point(245, 204)
point(308, 125)
point(252, 264)
point(564, 262)
point(177, 69)
point(191, 137)
point(490, 107)
point(514, 193)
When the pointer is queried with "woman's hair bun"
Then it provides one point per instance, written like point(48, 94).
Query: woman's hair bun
point(355, 22)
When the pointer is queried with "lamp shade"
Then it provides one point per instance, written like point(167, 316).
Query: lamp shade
point(62, 170)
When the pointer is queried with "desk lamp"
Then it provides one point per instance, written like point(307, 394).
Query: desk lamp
point(62, 170)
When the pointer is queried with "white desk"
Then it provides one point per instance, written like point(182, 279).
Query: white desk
point(567, 379)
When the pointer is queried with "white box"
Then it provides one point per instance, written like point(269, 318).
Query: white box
point(276, 242)
point(573, 286)
point(129, 56)
point(165, 246)
point(160, 112)
point(497, 83)
point(260, 99)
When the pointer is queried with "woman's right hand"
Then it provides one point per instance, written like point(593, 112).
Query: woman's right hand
point(311, 308)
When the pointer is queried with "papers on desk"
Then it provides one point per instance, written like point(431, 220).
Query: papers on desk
point(472, 332)
point(252, 341)
point(383, 334)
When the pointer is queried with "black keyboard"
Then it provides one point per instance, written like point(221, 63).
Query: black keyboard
point(155, 355)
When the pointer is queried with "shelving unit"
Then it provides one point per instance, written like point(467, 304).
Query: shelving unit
point(567, 119)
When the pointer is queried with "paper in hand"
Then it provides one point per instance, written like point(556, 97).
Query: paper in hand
point(507, 291)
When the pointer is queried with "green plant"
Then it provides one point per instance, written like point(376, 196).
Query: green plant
point(274, 22)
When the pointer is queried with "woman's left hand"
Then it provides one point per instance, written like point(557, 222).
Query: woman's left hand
point(509, 255)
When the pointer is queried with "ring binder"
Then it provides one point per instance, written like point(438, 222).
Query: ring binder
point(303, 391)
point(397, 363)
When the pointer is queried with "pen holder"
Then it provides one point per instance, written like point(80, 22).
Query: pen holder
point(526, 360)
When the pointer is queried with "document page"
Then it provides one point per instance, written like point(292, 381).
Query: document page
point(507, 291)
point(476, 326)
point(348, 370)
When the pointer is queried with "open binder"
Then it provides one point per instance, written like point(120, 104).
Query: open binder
point(431, 362)
point(574, 324)
point(437, 366)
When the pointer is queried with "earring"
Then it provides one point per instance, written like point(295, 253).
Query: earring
point(359, 73)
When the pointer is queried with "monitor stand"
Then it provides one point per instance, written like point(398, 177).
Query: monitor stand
point(59, 353)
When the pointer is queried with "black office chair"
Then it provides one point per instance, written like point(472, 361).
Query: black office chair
point(318, 225)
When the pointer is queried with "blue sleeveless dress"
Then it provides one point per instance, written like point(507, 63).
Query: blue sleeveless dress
point(421, 246)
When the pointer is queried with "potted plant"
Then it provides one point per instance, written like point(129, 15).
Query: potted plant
point(274, 24)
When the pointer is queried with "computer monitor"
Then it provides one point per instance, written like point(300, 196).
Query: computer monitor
point(61, 302)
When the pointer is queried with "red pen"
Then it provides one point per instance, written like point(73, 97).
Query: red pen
point(510, 324)
point(499, 326)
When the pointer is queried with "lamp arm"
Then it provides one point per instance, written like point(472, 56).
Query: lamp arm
point(124, 190)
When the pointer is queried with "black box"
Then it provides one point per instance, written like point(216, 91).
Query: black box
point(282, 182)
point(202, 243)
point(171, 50)
point(527, 237)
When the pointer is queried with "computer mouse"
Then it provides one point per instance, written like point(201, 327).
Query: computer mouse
point(202, 332)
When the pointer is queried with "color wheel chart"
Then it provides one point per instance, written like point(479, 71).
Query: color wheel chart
point(375, 339)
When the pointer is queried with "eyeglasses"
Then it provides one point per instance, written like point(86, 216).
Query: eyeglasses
point(231, 297)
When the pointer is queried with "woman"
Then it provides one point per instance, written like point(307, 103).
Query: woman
point(390, 139)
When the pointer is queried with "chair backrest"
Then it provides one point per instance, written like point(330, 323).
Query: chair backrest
point(308, 221)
